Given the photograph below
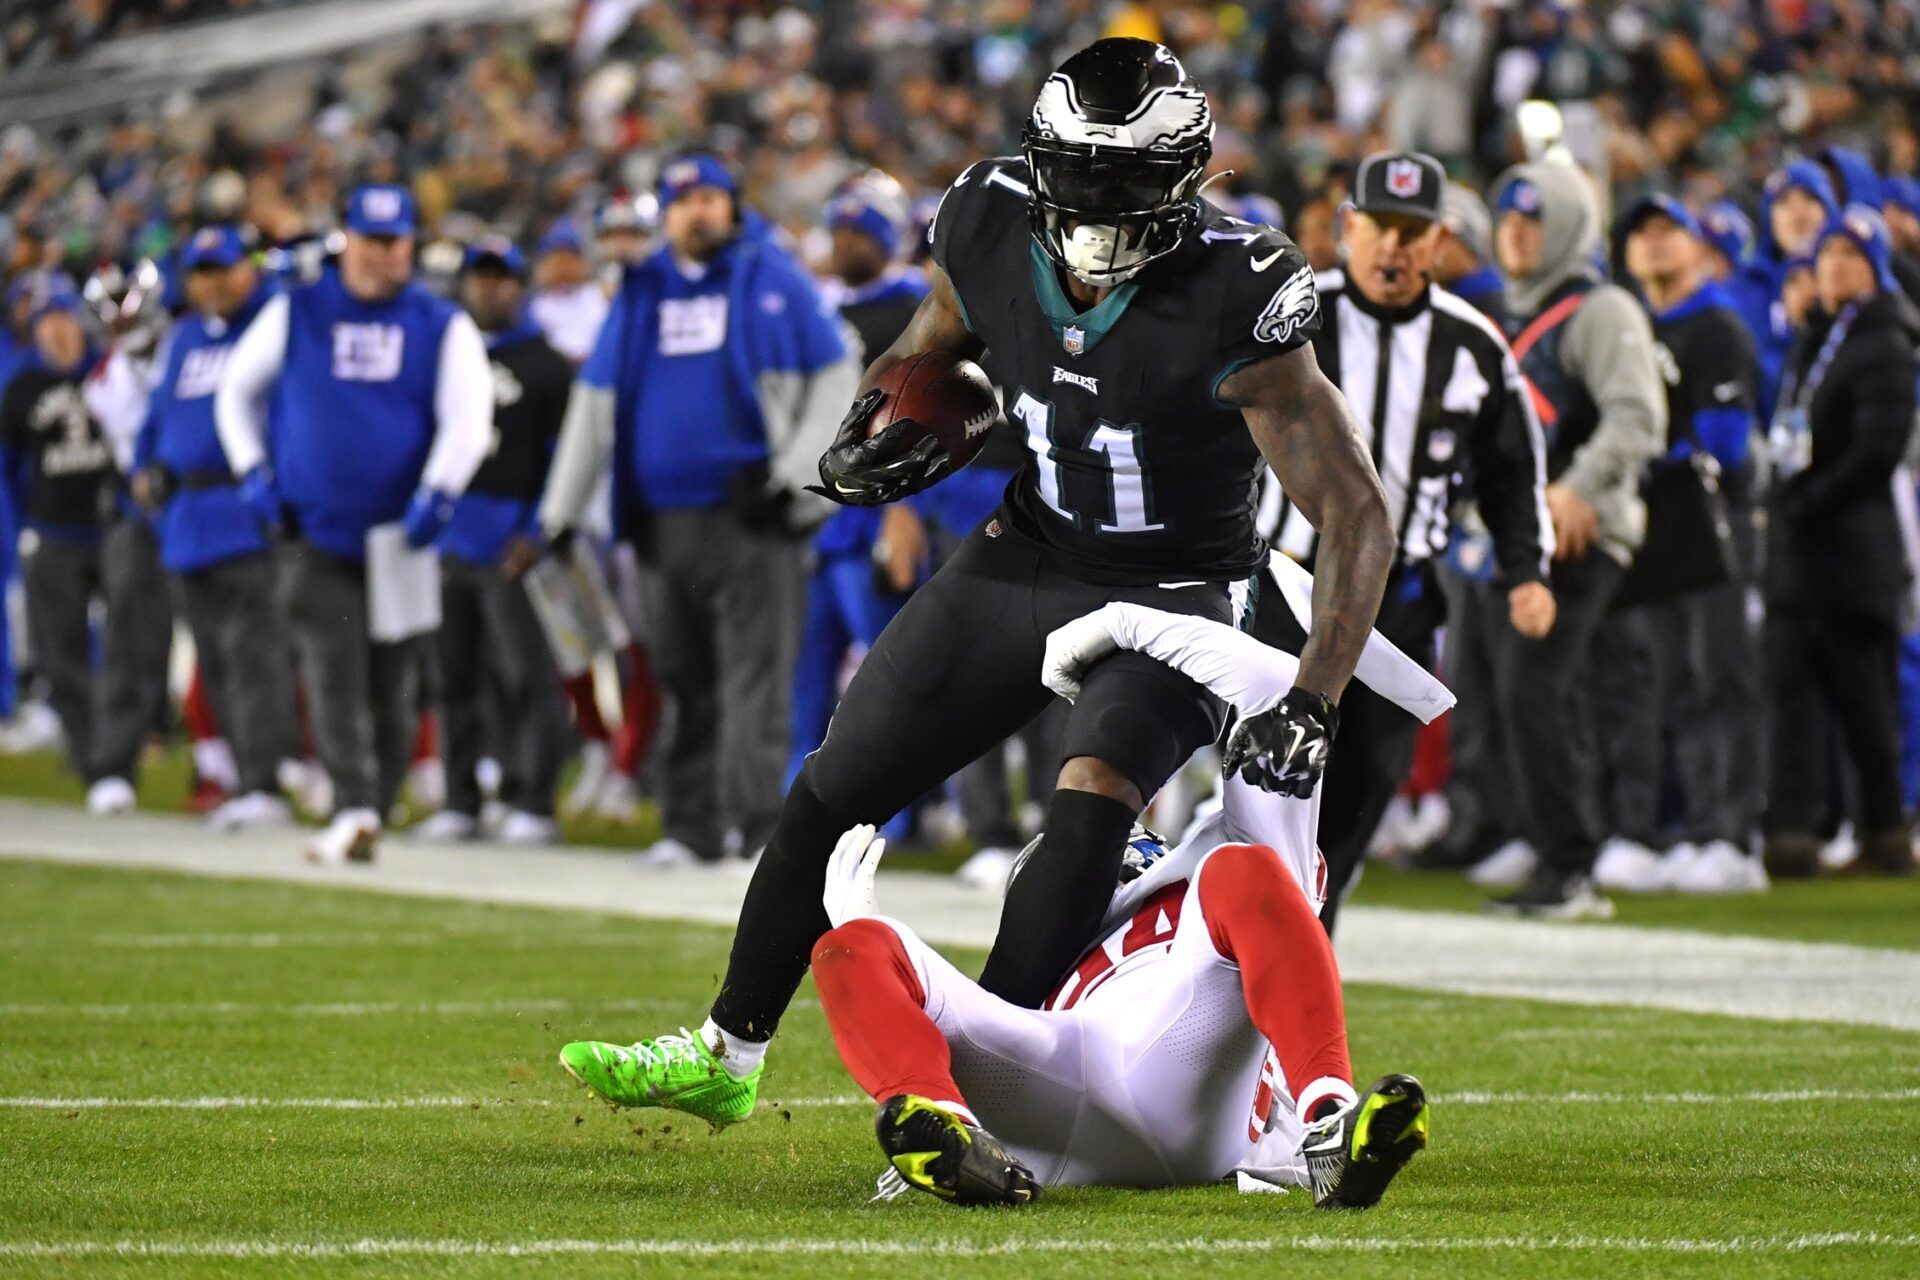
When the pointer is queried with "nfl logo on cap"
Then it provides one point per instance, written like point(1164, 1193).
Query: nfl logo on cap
point(1403, 178)
point(681, 172)
point(381, 204)
point(1074, 339)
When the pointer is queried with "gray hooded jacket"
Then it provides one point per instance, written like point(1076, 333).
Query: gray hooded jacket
point(1606, 346)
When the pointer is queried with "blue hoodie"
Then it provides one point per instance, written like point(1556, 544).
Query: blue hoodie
point(1858, 176)
point(1774, 339)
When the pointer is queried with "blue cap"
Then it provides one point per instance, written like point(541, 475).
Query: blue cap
point(57, 295)
point(214, 246)
point(561, 237)
point(1659, 205)
point(1901, 192)
point(495, 248)
point(380, 209)
point(1520, 196)
point(697, 170)
point(1726, 227)
point(856, 212)
point(1863, 225)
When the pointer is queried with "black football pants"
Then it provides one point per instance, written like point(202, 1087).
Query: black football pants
point(954, 674)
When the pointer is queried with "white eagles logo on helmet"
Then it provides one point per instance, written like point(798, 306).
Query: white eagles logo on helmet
point(1166, 117)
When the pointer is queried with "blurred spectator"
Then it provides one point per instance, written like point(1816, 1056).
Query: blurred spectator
point(210, 543)
point(128, 308)
point(865, 559)
point(568, 303)
point(493, 654)
point(1679, 678)
point(1837, 572)
point(61, 479)
point(1587, 352)
point(382, 410)
point(1797, 202)
point(624, 233)
point(716, 382)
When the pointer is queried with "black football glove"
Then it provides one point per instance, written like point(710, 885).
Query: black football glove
point(859, 472)
point(1284, 750)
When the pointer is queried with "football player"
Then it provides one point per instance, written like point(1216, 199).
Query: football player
point(1173, 1051)
point(1153, 352)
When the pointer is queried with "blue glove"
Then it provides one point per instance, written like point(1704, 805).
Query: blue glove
point(426, 516)
point(260, 496)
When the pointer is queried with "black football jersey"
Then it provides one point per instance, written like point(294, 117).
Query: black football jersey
point(531, 383)
point(1134, 472)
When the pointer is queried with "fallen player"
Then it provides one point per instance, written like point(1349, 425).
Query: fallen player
point(1167, 1055)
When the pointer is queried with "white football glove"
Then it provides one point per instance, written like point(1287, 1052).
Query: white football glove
point(850, 869)
point(1072, 650)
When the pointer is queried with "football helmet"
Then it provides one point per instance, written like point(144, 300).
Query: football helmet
point(130, 305)
point(1116, 144)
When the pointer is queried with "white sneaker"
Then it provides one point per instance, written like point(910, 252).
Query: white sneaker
point(1720, 867)
point(350, 837)
point(213, 761)
point(254, 809)
point(667, 855)
point(1506, 867)
point(1629, 866)
point(988, 870)
point(34, 727)
point(1432, 815)
point(1841, 850)
point(110, 796)
point(1390, 837)
point(492, 814)
point(619, 799)
point(1675, 862)
point(447, 827)
point(306, 783)
point(427, 784)
point(521, 827)
point(596, 760)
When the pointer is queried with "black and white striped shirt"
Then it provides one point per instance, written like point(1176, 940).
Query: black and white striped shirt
point(1436, 390)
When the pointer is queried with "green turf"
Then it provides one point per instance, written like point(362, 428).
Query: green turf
point(131, 985)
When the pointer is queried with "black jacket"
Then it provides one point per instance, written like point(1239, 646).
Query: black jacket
point(1835, 542)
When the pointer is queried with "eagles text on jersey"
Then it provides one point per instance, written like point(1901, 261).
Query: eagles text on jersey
point(1136, 471)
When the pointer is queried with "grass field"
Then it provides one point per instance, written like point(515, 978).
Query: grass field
point(438, 1138)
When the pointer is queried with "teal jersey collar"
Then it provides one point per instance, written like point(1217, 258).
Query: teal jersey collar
point(1058, 308)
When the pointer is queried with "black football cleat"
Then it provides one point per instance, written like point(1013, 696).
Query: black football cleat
point(1353, 1154)
point(936, 1151)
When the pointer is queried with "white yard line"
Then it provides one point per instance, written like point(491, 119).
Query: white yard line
point(1437, 951)
point(268, 1250)
point(430, 1102)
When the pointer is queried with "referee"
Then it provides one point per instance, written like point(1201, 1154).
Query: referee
point(1449, 417)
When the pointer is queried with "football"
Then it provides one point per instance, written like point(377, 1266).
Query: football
point(949, 398)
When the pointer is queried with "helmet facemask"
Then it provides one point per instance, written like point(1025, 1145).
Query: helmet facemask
point(1104, 212)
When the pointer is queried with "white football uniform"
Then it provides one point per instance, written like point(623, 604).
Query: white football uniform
point(1144, 1068)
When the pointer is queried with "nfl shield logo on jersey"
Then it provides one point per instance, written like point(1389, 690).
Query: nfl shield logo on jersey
point(1074, 339)
point(1403, 179)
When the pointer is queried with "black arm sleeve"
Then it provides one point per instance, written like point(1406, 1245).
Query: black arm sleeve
point(1510, 474)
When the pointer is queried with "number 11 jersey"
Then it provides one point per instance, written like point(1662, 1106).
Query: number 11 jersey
point(1136, 471)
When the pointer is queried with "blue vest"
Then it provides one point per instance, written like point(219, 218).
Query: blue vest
point(204, 523)
point(353, 417)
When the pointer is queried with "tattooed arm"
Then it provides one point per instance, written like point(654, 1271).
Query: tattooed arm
point(1308, 436)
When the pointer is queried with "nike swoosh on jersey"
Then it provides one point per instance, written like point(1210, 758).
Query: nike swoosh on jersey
point(1261, 264)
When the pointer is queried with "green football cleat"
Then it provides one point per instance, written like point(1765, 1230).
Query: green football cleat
point(1353, 1154)
point(935, 1151)
point(673, 1071)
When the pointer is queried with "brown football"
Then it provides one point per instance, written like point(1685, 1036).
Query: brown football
point(950, 399)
